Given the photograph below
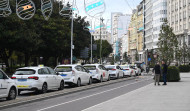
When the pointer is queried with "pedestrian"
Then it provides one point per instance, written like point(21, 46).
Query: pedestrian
point(157, 72)
point(164, 71)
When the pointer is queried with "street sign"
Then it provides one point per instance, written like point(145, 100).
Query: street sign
point(149, 59)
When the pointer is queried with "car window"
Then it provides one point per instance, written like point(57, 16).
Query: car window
point(1, 75)
point(25, 72)
point(117, 67)
point(51, 71)
point(83, 69)
point(104, 68)
point(110, 67)
point(43, 71)
point(46, 71)
point(63, 69)
point(100, 67)
point(90, 67)
point(78, 68)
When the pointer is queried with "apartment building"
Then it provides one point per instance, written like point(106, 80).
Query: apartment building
point(179, 19)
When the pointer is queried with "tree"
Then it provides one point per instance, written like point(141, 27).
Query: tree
point(167, 44)
point(106, 48)
point(125, 57)
point(136, 56)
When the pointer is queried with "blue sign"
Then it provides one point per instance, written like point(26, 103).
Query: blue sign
point(149, 59)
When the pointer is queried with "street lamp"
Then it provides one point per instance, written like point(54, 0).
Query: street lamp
point(101, 21)
point(72, 46)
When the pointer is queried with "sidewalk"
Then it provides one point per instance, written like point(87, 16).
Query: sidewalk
point(173, 97)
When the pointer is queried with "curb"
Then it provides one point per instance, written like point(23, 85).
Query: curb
point(22, 101)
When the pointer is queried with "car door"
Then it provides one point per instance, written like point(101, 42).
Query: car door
point(56, 78)
point(104, 72)
point(79, 73)
point(120, 71)
point(85, 75)
point(47, 77)
point(3, 84)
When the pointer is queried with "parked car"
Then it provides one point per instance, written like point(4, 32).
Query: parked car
point(127, 70)
point(115, 71)
point(137, 70)
point(8, 87)
point(37, 78)
point(98, 72)
point(74, 74)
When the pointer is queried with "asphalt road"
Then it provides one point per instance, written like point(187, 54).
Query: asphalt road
point(84, 99)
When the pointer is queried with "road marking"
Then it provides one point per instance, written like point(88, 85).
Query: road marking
point(91, 95)
point(131, 92)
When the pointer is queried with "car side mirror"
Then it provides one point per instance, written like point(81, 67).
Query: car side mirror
point(57, 73)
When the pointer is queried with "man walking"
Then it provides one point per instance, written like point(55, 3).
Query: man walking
point(157, 73)
point(164, 71)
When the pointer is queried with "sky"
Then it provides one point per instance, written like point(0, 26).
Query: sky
point(124, 6)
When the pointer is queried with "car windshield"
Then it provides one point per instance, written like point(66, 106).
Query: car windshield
point(25, 72)
point(90, 67)
point(124, 67)
point(110, 67)
point(63, 69)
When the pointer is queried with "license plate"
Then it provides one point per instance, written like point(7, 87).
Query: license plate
point(22, 80)
point(63, 74)
point(23, 86)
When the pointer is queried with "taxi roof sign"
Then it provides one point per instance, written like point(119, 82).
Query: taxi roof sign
point(41, 65)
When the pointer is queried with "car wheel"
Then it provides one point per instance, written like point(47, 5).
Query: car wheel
point(12, 94)
point(108, 78)
point(78, 83)
point(61, 85)
point(123, 75)
point(90, 81)
point(117, 76)
point(101, 79)
point(44, 88)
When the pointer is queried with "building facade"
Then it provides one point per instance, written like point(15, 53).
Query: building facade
point(140, 32)
point(155, 11)
point(105, 35)
point(133, 36)
point(179, 19)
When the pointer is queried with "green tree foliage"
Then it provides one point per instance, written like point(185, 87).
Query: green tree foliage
point(167, 44)
point(34, 38)
point(106, 49)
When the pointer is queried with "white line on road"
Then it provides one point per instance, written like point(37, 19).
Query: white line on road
point(89, 96)
point(131, 92)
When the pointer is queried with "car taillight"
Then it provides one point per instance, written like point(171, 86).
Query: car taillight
point(13, 77)
point(113, 69)
point(126, 69)
point(33, 77)
point(73, 72)
point(97, 71)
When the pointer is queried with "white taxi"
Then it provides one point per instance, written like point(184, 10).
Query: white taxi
point(127, 70)
point(115, 71)
point(37, 78)
point(98, 72)
point(8, 88)
point(74, 74)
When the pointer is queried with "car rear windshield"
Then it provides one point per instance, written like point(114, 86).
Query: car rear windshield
point(63, 69)
point(124, 67)
point(25, 72)
point(110, 67)
point(90, 67)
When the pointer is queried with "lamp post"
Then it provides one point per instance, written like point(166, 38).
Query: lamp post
point(72, 46)
point(101, 21)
